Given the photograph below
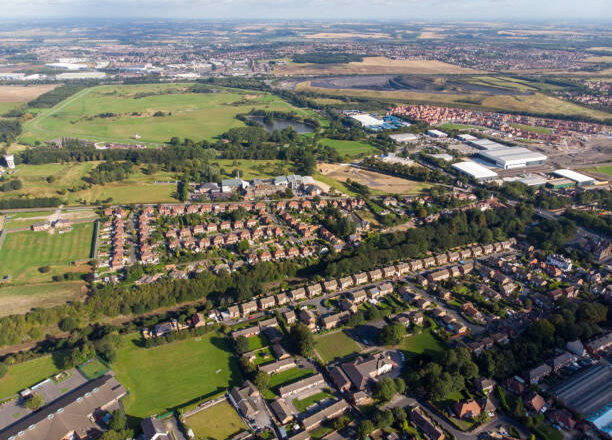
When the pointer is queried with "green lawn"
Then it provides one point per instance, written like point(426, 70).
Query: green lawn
point(174, 374)
point(302, 404)
point(26, 374)
point(542, 130)
point(288, 376)
point(258, 341)
point(24, 252)
point(606, 169)
point(220, 421)
point(335, 345)
point(547, 432)
point(420, 342)
point(192, 115)
point(349, 148)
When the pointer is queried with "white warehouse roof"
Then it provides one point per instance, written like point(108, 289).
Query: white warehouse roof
point(475, 170)
point(510, 157)
point(367, 120)
point(404, 137)
point(573, 175)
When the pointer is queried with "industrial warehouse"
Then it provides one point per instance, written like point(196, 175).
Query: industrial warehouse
point(504, 156)
point(580, 179)
point(475, 170)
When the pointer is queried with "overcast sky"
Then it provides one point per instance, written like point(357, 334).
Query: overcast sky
point(532, 10)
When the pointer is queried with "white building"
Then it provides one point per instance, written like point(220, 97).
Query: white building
point(404, 138)
point(475, 170)
point(580, 179)
point(466, 137)
point(563, 263)
point(367, 120)
point(9, 159)
point(512, 157)
point(436, 133)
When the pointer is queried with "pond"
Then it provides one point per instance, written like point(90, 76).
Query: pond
point(281, 124)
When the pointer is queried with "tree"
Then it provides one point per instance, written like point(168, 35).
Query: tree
point(385, 389)
point(3, 369)
point(243, 246)
point(400, 385)
point(262, 380)
point(34, 402)
point(68, 324)
point(117, 435)
point(117, 421)
point(399, 414)
point(241, 344)
point(364, 429)
point(392, 334)
point(302, 339)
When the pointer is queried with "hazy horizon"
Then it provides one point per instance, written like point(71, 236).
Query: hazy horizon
point(596, 11)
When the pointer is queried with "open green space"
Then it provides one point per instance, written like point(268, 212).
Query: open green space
point(349, 148)
point(67, 179)
point(289, 376)
point(252, 169)
point(93, 368)
point(22, 298)
point(26, 374)
point(335, 346)
point(220, 421)
point(174, 374)
point(303, 404)
point(152, 112)
point(541, 130)
point(258, 341)
point(23, 253)
point(605, 169)
point(420, 342)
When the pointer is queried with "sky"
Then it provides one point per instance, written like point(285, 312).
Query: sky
point(529, 10)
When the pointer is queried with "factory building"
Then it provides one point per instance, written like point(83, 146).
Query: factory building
point(512, 157)
point(580, 179)
point(475, 171)
point(436, 133)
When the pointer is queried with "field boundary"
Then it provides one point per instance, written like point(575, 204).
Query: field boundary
point(204, 405)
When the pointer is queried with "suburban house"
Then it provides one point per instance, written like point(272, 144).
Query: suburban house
point(311, 382)
point(298, 294)
point(360, 278)
point(308, 318)
point(267, 302)
point(330, 412)
point(314, 290)
point(535, 375)
point(248, 307)
point(467, 409)
point(233, 312)
point(345, 282)
point(363, 370)
point(375, 275)
point(245, 399)
point(330, 286)
point(289, 316)
point(340, 379)
point(425, 425)
point(332, 321)
point(281, 411)
point(358, 296)
point(278, 366)
point(154, 429)
point(535, 402)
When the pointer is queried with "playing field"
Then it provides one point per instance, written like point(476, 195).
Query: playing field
point(420, 342)
point(349, 148)
point(220, 421)
point(335, 346)
point(26, 374)
point(93, 368)
point(24, 252)
point(155, 112)
point(22, 298)
point(171, 375)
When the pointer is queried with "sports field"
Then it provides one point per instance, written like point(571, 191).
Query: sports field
point(26, 374)
point(349, 148)
point(220, 421)
point(174, 374)
point(335, 345)
point(155, 112)
point(22, 298)
point(24, 252)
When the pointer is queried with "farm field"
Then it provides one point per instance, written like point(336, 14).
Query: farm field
point(335, 345)
point(12, 96)
point(24, 252)
point(220, 421)
point(119, 113)
point(26, 374)
point(20, 299)
point(66, 178)
point(373, 65)
point(378, 182)
point(173, 374)
point(420, 342)
point(349, 148)
point(534, 103)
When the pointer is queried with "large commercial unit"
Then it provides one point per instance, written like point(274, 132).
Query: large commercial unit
point(367, 120)
point(436, 133)
point(512, 157)
point(580, 179)
point(475, 171)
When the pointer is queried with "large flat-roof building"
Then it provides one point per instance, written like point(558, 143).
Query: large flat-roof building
point(475, 170)
point(580, 179)
point(512, 157)
point(367, 120)
point(436, 134)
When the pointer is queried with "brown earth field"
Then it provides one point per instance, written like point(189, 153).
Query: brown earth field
point(23, 93)
point(376, 181)
point(374, 65)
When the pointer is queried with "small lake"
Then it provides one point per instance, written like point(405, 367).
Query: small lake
point(281, 124)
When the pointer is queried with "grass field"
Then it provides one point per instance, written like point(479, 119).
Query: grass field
point(349, 148)
point(302, 404)
point(22, 298)
point(335, 345)
point(192, 115)
point(13, 96)
point(420, 342)
point(24, 252)
point(174, 374)
point(139, 187)
point(288, 376)
point(606, 169)
point(220, 421)
point(26, 374)
point(93, 368)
